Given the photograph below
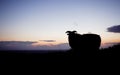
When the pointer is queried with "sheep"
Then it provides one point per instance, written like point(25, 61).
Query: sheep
point(84, 42)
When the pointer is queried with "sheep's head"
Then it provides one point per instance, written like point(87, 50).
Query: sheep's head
point(71, 32)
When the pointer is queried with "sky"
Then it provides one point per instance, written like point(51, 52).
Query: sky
point(43, 23)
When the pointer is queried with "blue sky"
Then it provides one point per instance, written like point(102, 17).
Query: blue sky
point(34, 20)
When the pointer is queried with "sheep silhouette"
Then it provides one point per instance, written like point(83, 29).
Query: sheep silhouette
point(84, 43)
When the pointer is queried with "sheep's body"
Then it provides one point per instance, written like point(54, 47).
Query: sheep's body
point(85, 42)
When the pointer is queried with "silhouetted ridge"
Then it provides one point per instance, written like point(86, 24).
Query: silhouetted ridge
point(111, 51)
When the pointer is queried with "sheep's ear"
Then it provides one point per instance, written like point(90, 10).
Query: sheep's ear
point(68, 31)
point(74, 31)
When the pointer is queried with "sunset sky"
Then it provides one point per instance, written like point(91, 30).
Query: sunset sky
point(43, 23)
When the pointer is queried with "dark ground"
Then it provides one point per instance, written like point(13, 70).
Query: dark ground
point(108, 55)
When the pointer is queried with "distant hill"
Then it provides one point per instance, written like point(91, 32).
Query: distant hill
point(60, 56)
point(110, 51)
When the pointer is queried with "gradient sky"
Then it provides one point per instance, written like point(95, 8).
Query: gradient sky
point(34, 20)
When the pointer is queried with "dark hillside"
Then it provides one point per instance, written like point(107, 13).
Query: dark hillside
point(70, 56)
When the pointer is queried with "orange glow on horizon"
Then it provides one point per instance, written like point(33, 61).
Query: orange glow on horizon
point(111, 40)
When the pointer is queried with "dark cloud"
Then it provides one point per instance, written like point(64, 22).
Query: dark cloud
point(48, 40)
point(61, 46)
point(28, 45)
point(16, 45)
point(115, 29)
